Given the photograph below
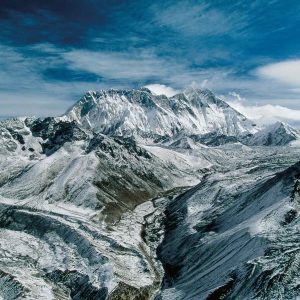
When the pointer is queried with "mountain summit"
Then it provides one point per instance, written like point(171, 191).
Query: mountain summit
point(277, 134)
point(142, 114)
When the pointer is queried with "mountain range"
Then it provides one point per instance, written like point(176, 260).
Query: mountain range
point(132, 195)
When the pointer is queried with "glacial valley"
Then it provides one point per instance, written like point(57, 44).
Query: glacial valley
point(131, 195)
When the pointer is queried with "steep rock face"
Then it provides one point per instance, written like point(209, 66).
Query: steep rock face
point(140, 113)
point(55, 133)
point(233, 236)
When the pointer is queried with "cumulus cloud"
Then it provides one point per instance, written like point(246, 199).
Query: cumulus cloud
point(263, 114)
point(287, 72)
point(161, 89)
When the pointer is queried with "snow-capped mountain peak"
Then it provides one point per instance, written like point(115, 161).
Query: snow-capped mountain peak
point(276, 134)
point(141, 113)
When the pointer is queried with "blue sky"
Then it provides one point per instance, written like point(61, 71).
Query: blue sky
point(52, 52)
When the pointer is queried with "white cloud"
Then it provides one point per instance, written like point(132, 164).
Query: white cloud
point(204, 83)
point(25, 91)
point(118, 65)
point(238, 98)
point(263, 114)
point(287, 72)
point(161, 89)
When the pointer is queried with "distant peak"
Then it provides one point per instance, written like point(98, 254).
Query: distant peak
point(139, 112)
point(275, 134)
point(279, 124)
